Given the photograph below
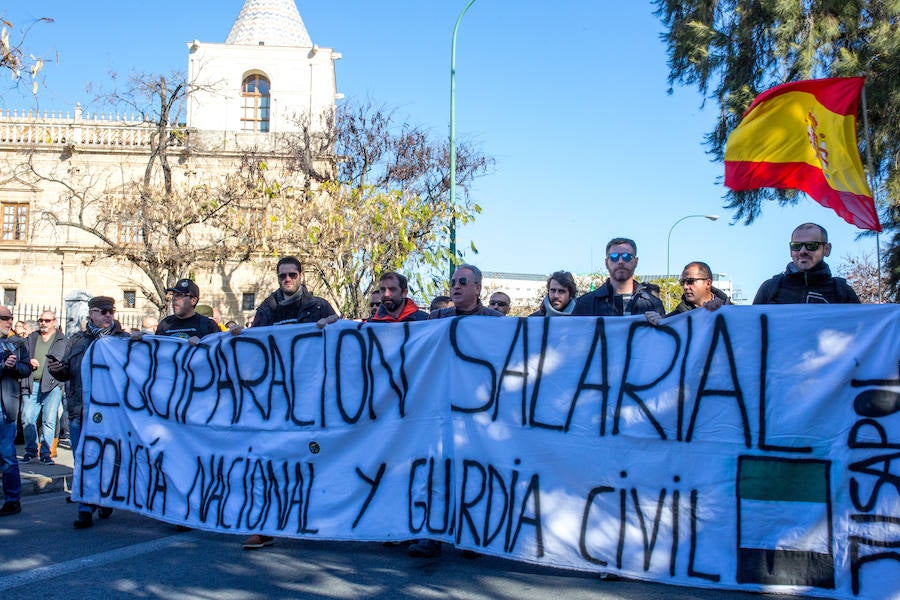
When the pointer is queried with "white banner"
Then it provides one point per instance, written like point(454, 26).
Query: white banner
point(751, 448)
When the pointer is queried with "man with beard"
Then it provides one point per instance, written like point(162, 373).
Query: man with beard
point(807, 278)
point(101, 323)
point(395, 305)
point(290, 304)
point(696, 281)
point(620, 295)
point(560, 298)
point(185, 322)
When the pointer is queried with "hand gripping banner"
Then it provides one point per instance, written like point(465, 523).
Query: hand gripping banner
point(753, 448)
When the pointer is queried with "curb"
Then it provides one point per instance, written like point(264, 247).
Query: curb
point(38, 478)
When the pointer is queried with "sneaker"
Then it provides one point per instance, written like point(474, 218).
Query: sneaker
point(84, 520)
point(425, 549)
point(10, 508)
point(104, 512)
point(257, 541)
point(27, 458)
point(64, 443)
point(46, 460)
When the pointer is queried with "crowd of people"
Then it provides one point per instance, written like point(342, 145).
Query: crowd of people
point(41, 369)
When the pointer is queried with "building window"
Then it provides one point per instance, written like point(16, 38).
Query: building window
point(15, 222)
point(129, 233)
point(256, 101)
point(248, 301)
point(129, 297)
point(9, 296)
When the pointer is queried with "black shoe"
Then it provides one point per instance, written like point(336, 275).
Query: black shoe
point(104, 512)
point(84, 520)
point(10, 508)
point(64, 443)
point(27, 458)
point(46, 460)
point(425, 549)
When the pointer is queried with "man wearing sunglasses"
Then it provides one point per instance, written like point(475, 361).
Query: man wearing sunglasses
point(101, 323)
point(14, 366)
point(45, 395)
point(620, 295)
point(291, 303)
point(807, 278)
point(696, 281)
point(465, 292)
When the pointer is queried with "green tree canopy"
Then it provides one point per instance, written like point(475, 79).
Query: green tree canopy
point(732, 50)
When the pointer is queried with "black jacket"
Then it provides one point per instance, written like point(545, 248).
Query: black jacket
point(685, 306)
point(815, 286)
point(10, 377)
point(57, 349)
point(601, 302)
point(302, 307)
point(70, 366)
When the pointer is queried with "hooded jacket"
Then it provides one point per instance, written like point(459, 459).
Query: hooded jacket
point(601, 302)
point(301, 307)
point(410, 312)
point(815, 286)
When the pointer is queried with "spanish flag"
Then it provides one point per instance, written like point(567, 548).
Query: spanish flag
point(802, 135)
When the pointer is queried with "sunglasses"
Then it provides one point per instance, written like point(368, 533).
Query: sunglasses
point(811, 246)
point(104, 311)
point(625, 256)
point(46, 320)
point(2, 318)
point(462, 281)
point(374, 304)
point(180, 295)
point(691, 280)
point(292, 275)
point(498, 303)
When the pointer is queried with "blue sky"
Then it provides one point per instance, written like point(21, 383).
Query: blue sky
point(569, 97)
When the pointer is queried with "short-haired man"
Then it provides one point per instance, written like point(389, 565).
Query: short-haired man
point(620, 295)
point(696, 281)
point(807, 278)
point(439, 302)
point(465, 292)
point(560, 298)
point(185, 322)
point(101, 323)
point(14, 365)
point(291, 303)
point(396, 305)
point(374, 302)
point(149, 325)
point(500, 302)
point(45, 394)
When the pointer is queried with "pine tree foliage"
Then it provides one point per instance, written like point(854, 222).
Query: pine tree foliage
point(732, 50)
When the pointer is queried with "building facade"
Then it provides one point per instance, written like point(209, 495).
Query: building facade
point(57, 170)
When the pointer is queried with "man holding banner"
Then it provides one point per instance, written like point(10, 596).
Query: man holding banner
point(620, 295)
point(807, 278)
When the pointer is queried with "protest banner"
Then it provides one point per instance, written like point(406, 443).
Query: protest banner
point(751, 448)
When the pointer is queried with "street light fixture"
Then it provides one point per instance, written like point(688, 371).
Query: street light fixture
point(669, 240)
point(453, 136)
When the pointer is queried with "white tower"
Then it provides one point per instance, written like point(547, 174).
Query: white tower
point(266, 75)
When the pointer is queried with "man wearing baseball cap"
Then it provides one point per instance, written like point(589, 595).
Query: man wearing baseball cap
point(184, 322)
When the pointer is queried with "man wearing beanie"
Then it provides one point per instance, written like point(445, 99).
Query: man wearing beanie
point(101, 323)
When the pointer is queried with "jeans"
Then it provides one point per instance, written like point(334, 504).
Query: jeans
point(45, 405)
point(9, 464)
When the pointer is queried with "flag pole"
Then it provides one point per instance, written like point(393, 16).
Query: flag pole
point(871, 185)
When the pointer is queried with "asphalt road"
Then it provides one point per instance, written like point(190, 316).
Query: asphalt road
point(130, 556)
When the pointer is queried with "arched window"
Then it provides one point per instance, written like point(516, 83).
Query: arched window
point(256, 102)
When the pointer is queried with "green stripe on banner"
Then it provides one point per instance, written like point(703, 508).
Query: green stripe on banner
point(765, 478)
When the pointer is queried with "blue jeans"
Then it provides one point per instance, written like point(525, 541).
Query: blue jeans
point(9, 464)
point(45, 405)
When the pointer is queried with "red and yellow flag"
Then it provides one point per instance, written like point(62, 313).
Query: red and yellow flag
point(802, 136)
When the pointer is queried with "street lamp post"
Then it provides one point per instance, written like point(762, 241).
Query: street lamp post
point(669, 240)
point(453, 137)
